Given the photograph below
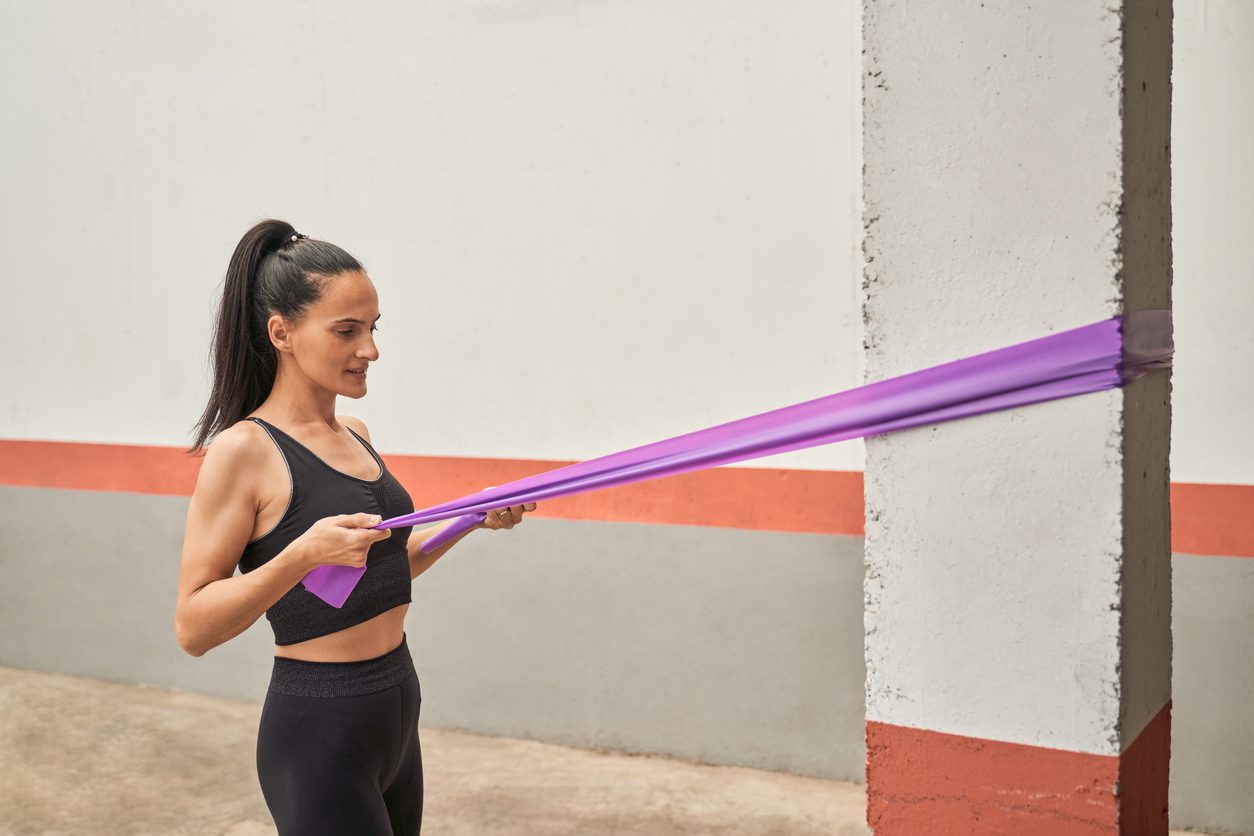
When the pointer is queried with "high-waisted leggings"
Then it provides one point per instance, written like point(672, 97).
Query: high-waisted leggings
point(337, 746)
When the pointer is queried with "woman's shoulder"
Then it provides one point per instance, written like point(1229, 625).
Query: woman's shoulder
point(356, 425)
point(244, 438)
point(237, 440)
point(231, 458)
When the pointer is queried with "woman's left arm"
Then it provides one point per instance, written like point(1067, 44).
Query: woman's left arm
point(495, 520)
point(419, 562)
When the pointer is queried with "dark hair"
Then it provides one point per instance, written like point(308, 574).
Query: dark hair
point(270, 272)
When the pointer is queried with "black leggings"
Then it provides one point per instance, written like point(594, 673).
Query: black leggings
point(337, 746)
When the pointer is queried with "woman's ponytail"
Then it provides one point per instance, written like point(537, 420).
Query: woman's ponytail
point(274, 269)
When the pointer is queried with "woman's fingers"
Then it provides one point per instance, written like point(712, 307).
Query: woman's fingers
point(508, 516)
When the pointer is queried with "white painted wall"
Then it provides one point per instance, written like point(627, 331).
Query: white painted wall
point(650, 208)
point(1213, 212)
point(591, 225)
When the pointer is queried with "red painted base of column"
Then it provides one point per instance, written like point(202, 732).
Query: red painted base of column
point(921, 781)
point(1143, 776)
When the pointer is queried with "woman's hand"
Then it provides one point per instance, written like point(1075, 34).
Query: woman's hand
point(507, 517)
point(342, 540)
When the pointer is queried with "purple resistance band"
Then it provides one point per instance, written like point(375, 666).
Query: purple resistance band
point(1092, 358)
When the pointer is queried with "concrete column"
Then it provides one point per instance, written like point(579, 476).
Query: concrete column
point(1018, 642)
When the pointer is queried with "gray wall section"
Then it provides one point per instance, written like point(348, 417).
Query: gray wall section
point(1212, 680)
point(726, 646)
point(719, 645)
point(734, 647)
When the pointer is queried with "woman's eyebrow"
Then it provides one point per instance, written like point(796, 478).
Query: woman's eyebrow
point(354, 321)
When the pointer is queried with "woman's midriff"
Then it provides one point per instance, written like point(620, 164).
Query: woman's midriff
point(353, 644)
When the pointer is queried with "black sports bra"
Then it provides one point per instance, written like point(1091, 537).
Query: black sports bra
point(319, 490)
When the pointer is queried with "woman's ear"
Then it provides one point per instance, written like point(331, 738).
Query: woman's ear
point(280, 333)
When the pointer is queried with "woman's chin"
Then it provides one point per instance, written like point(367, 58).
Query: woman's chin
point(356, 388)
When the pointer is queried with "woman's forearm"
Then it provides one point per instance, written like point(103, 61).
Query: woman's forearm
point(419, 562)
point(220, 611)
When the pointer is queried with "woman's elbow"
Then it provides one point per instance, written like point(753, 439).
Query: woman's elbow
point(187, 641)
point(189, 648)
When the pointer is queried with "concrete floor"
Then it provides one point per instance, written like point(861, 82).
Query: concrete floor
point(85, 756)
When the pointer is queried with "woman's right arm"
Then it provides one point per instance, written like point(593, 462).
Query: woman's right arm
point(214, 606)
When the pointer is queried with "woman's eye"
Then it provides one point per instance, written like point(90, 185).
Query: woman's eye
point(349, 332)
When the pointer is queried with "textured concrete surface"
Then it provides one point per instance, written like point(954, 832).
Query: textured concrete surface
point(993, 190)
point(80, 756)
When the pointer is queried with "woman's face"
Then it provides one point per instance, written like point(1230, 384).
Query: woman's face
point(337, 335)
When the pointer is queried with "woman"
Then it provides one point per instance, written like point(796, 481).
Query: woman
point(289, 485)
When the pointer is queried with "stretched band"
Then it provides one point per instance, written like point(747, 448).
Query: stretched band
point(1091, 358)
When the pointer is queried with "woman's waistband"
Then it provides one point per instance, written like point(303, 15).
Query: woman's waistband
point(302, 678)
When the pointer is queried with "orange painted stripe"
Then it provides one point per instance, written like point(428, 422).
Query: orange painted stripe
point(815, 501)
point(1212, 519)
point(1205, 519)
point(921, 781)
